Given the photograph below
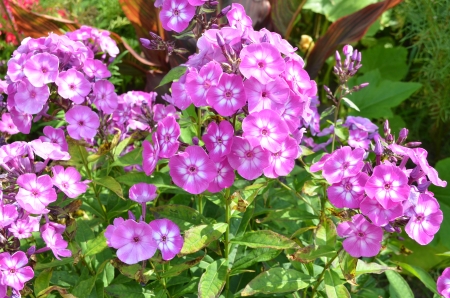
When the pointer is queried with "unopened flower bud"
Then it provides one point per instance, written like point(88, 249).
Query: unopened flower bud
point(220, 40)
point(388, 228)
point(214, 26)
point(397, 229)
point(195, 141)
point(348, 50)
point(155, 36)
point(386, 127)
point(392, 159)
point(416, 173)
point(326, 89)
point(413, 144)
point(214, 3)
point(337, 56)
point(145, 42)
point(226, 67)
point(402, 135)
point(131, 215)
point(401, 238)
point(358, 58)
point(367, 168)
point(355, 55)
point(31, 250)
point(225, 10)
point(378, 150)
point(423, 187)
point(265, 38)
point(389, 139)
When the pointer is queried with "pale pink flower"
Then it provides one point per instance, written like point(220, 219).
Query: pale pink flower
point(14, 272)
point(261, 61)
point(68, 181)
point(143, 192)
point(180, 96)
point(293, 110)
point(41, 69)
point(218, 139)
point(8, 214)
point(296, 77)
point(270, 96)
point(343, 163)
point(72, 85)
point(48, 150)
point(118, 221)
point(443, 283)
point(21, 120)
point(176, 14)
point(282, 162)
point(224, 177)
point(83, 122)
point(249, 161)
point(105, 96)
point(359, 139)
point(168, 132)
point(35, 193)
point(7, 125)
point(198, 84)
point(228, 96)
point(168, 238)
point(161, 111)
point(30, 99)
point(94, 68)
point(55, 136)
point(349, 192)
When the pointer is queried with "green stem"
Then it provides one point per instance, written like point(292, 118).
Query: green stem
point(320, 278)
point(200, 204)
point(227, 237)
point(336, 115)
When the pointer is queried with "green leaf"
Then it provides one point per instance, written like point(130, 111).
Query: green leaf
point(277, 280)
point(348, 265)
point(84, 288)
point(134, 271)
point(393, 68)
point(264, 238)
point(305, 151)
point(200, 236)
point(177, 269)
point(97, 245)
point(174, 74)
point(288, 214)
point(334, 287)
point(121, 146)
point(443, 193)
point(363, 268)
point(422, 275)
point(376, 100)
point(398, 287)
point(302, 230)
point(55, 263)
point(311, 253)
point(327, 112)
point(350, 104)
point(42, 280)
point(255, 256)
point(133, 157)
point(326, 233)
point(335, 9)
point(341, 132)
point(213, 279)
point(185, 217)
point(111, 184)
point(129, 290)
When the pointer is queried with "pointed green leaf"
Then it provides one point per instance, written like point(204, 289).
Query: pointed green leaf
point(264, 238)
point(131, 158)
point(185, 217)
point(288, 214)
point(311, 253)
point(327, 112)
point(398, 287)
point(129, 290)
point(277, 280)
point(174, 74)
point(326, 233)
point(111, 184)
point(84, 287)
point(350, 103)
point(177, 269)
point(255, 256)
point(55, 263)
point(334, 285)
point(42, 281)
point(348, 265)
point(213, 279)
point(96, 245)
point(200, 236)
point(422, 275)
point(363, 268)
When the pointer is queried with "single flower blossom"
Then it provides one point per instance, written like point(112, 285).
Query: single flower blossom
point(296, 77)
point(224, 178)
point(48, 150)
point(168, 132)
point(161, 111)
point(359, 139)
point(7, 125)
point(22, 228)
point(218, 139)
point(379, 215)
point(192, 170)
point(349, 192)
point(150, 155)
point(42, 69)
point(143, 192)
point(237, 17)
point(271, 96)
point(228, 96)
point(105, 96)
point(262, 62)
point(343, 163)
point(8, 214)
point(362, 239)
point(94, 68)
point(35, 193)
point(14, 272)
point(176, 14)
point(443, 283)
point(249, 161)
point(55, 136)
point(198, 84)
point(56, 243)
point(180, 97)
point(68, 181)
point(360, 123)
point(168, 238)
point(282, 162)
point(30, 99)
point(73, 85)
point(83, 122)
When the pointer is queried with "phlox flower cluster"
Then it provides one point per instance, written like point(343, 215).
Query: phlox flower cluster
point(388, 195)
point(240, 78)
point(25, 198)
point(64, 71)
point(137, 240)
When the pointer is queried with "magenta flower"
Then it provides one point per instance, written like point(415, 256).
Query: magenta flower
point(359, 139)
point(343, 163)
point(443, 283)
point(22, 228)
point(55, 136)
point(425, 221)
point(419, 157)
point(72, 85)
point(48, 150)
point(161, 111)
point(349, 192)
point(228, 96)
point(16, 66)
point(198, 84)
point(8, 214)
point(55, 242)
point(249, 161)
point(83, 122)
point(7, 125)
point(262, 62)
point(35, 193)
point(363, 239)
point(41, 69)
point(180, 97)
point(134, 241)
point(224, 177)
point(388, 185)
point(296, 77)
point(21, 120)
point(30, 99)
point(238, 18)
point(293, 110)
point(379, 215)
point(168, 132)
point(118, 221)
point(318, 166)
point(94, 68)
point(192, 170)
point(143, 193)
point(14, 274)
point(218, 139)
point(176, 14)
point(105, 96)
point(265, 128)
point(360, 123)
point(282, 162)
point(270, 96)
point(68, 181)
point(150, 155)
point(168, 238)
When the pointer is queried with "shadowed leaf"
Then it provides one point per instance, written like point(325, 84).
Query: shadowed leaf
point(284, 14)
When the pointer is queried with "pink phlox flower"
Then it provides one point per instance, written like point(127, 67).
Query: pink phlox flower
point(161, 111)
point(168, 132)
point(388, 185)
point(168, 238)
point(180, 97)
point(344, 163)
point(73, 85)
point(41, 69)
point(7, 125)
point(363, 239)
point(237, 17)
point(16, 66)
point(21, 120)
point(224, 177)
point(134, 241)
point(118, 221)
point(265, 128)
point(35, 193)
point(425, 220)
point(249, 161)
point(379, 215)
point(271, 96)
point(296, 77)
point(218, 139)
point(359, 139)
point(48, 150)
point(83, 122)
point(22, 228)
point(69, 181)
point(14, 272)
point(8, 214)
point(356, 122)
point(293, 110)
point(198, 84)
point(105, 96)
point(30, 99)
point(282, 162)
point(228, 96)
point(143, 192)
point(59, 228)
point(56, 243)
point(326, 131)
point(159, 3)
point(55, 136)
point(262, 62)
point(419, 157)
point(176, 14)
point(349, 192)
point(150, 155)
point(94, 68)
point(318, 166)
point(192, 170)
point(231, 36)
point(443, 283)
point(12, 151)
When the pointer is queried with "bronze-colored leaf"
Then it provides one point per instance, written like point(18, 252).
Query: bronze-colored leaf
point(284, 13)
point(345, 30)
